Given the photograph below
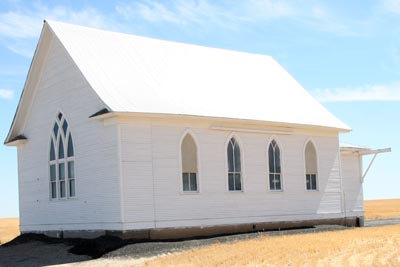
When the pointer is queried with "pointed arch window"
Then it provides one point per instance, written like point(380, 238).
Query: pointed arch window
point(274, 163)
point(189, 164)
point(61, 160)
point(311, 166)
point(234, 166)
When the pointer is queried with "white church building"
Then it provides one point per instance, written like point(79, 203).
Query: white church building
point(143, 138)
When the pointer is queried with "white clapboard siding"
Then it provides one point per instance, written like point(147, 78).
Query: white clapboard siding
point(97, 205)
point(352, 185)
point(150, 150)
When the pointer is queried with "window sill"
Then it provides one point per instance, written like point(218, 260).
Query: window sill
point(189, 193)
point(55, 200)
point(275, 191)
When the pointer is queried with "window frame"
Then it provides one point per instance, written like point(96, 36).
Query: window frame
point(57, 161)
point(242, 168)
point(279, 144)
point(310, 140)
point(198, 174)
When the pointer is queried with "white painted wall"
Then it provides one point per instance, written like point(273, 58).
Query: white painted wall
point(150, 163)
point(352, 185)
point(97, 205)
point(129, 170)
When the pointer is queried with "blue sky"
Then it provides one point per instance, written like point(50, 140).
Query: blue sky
point(345, 53)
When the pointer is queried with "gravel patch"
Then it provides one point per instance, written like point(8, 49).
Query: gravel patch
point(382, 222)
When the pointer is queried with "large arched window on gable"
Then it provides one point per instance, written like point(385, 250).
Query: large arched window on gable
point(234, 166)
point(274, 163)
point(311, 166)
point(189, 164)
point(61, 160)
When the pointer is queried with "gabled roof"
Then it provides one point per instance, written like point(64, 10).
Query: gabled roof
point(138, 74)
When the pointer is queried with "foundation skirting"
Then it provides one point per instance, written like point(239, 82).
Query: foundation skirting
point(191, 232)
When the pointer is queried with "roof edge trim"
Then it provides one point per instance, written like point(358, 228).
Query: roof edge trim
point(18, 140)
point(28, 76)
point(287, 125)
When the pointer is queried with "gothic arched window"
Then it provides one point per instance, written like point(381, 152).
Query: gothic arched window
point(189, 164)
point(274, 158)
point(234, 166)
point(310, 156)
point(61, 160)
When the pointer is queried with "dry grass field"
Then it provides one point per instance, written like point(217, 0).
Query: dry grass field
point(374, 246)
point(8, 229)
point(371, 246)
point(382, 209)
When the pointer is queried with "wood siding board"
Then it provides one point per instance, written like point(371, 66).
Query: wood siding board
point(63, 88)
point(214, 204)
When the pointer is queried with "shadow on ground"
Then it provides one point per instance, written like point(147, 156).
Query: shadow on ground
point(38, 250)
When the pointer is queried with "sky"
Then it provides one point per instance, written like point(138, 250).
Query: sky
point(345, 53)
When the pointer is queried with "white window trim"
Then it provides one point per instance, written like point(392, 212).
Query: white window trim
point(279, 143)
point(309, 139)
point(198, 174)
point(57, 161)
point(242, 166)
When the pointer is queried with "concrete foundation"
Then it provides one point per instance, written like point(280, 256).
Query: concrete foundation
point(191, 232)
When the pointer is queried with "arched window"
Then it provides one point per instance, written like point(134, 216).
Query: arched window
point(311, 166)
point(189, 164)
point(274, 162)
point(61, 160)
point(234, 166)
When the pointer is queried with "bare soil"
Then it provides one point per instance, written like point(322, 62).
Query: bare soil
point(351, 247)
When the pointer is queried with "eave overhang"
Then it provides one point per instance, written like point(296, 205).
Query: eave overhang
point(218, 121)
point(17, 141)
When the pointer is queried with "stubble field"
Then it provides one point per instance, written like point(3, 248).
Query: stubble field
point(370, 246)
point(374, 246)
point(382, 209)
point(8, 229)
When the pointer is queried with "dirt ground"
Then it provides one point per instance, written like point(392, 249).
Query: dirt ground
point(321, 246)
point(377, 244)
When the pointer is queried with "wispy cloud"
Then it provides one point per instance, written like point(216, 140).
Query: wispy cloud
point(203, 11)
point(24, 23)
point(228, 15)
point(390, 92)
point(322, 19)
point(6, 93)
point(392, 6)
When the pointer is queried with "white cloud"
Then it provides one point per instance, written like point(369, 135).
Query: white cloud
point(321, 19)
point(392, 6)
point(24, 23)
point(389, 92)
point(22, 48)
point(232, 15)
point(21, 25)
point(6, 93)
point(203, 11)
